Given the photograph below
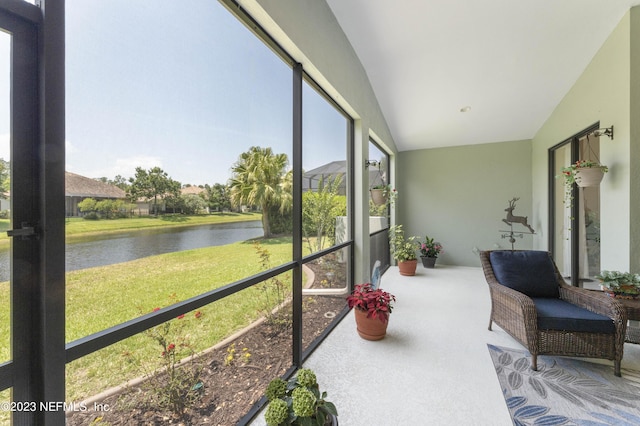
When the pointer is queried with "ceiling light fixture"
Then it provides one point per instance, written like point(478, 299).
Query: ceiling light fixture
point(465, 109)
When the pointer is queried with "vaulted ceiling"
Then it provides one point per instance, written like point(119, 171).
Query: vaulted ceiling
point(507, 62)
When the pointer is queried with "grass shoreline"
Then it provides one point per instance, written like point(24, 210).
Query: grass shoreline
point(101, 297)
point(77, 228)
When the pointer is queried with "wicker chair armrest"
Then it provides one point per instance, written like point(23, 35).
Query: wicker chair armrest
point(516, 313)
point(506, 295)
point(594, 301)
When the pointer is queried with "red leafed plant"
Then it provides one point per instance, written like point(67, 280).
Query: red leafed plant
point(377, 303)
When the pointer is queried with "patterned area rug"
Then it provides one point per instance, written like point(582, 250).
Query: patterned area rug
point(566, 391)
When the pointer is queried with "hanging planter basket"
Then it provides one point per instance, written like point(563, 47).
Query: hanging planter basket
point(589, 176)
point(379, 196)
point(583, 173)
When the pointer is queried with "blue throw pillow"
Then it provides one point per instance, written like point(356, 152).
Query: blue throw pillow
point(529, 272)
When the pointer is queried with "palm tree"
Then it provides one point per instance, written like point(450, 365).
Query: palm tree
point(260, 179)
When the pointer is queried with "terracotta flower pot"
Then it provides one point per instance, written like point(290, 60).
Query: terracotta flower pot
point(370, 328)
point(408, 267)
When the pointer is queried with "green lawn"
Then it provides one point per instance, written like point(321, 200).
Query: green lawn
point(116, 293)
point(98, 298)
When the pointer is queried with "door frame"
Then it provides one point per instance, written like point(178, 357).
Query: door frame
point(36, 371)
point(575, 208)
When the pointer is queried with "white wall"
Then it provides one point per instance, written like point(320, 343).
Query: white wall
point(634, 138)
point(458, 196)
point(601, 94)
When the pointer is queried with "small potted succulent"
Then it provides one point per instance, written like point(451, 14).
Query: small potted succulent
point(299, 402)
point(623, 285)
point(371, 309)
point(403, 250)
point(429, 251)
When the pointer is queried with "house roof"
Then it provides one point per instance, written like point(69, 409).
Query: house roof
point(312, 178)
point(196, 190)
point(80, 186)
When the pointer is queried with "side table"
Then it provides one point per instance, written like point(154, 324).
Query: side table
point(632, 307)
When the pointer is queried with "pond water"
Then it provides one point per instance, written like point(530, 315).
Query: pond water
point(123, 247)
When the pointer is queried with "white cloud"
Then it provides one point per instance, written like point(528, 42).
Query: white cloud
point(125, 167)
point(69, 148)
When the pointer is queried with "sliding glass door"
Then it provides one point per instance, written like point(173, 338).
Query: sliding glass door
point(575, 212)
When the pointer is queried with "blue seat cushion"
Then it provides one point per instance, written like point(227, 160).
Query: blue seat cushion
point(530, 272)
point(557, 314)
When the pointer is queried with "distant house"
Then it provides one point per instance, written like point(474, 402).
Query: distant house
point(5, 201)
point(192, 190)
point(328, 172)
point(312, 178)
point(145, 207)
point(195, 190)
point(77, 188)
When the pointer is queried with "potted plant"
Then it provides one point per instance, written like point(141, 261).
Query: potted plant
point(371, 309)
point(583, 173)
point(429, 251)
point(623, 285)
point(383, 194)
point(403, 250)
point(299, 402)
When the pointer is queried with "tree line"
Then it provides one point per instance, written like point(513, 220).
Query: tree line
point(261, 180)
point(156, 186)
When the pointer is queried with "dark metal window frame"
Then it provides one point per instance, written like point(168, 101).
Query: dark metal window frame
point(379, 241)
point(36, 371)
point(40, 376)
point(575, 208)
point(21, 20)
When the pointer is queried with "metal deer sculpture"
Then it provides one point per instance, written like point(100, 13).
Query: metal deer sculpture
point(511, 219)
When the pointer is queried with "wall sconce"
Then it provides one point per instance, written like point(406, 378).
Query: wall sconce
point(607, 131)
point(373, 163)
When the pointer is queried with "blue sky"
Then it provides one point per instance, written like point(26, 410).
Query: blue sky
point(186, 89)
point(4, 95)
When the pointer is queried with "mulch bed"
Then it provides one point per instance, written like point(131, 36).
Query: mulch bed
point(229, 391)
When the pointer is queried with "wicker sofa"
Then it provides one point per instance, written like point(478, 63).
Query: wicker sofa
point(531, 302)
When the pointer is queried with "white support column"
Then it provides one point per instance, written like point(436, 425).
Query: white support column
point(361, 210)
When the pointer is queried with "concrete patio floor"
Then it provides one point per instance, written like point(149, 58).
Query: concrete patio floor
point(433, 367)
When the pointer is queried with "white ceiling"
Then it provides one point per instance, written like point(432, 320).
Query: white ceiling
point(511, 61)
